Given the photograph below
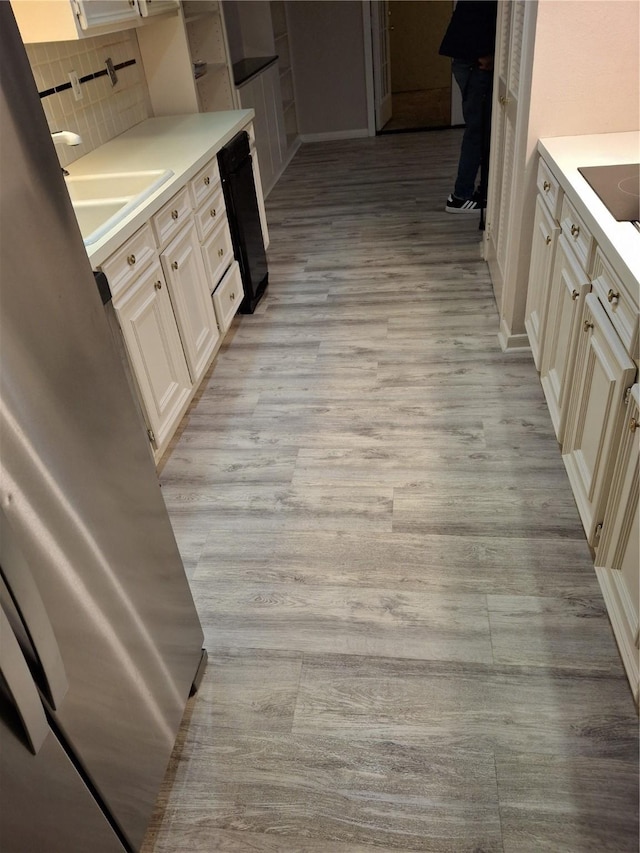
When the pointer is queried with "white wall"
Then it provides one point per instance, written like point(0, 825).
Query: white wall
point(587, 67)
point(327, 50)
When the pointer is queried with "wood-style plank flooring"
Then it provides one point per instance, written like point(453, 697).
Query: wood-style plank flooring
point(408, 648)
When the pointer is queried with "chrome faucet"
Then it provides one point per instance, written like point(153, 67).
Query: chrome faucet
point(66, 137)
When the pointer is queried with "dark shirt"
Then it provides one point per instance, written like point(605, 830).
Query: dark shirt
point(472, 30)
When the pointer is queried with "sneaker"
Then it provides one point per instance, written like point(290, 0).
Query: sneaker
point(461, 205)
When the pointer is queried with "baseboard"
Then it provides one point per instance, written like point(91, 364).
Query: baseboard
point(509, 341)
point(358, 133)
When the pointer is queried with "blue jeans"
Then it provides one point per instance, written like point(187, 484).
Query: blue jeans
point(475, 86)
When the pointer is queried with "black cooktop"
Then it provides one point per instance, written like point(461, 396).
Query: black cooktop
point(618, 188)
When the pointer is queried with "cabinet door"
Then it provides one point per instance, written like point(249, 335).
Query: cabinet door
point(618, 554)
point(569, 286)
point(155, 351)
point(545, 236)
point(603, 373)
point(191, 297)
point(97, 13)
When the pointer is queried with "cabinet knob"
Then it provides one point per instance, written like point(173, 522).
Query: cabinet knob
point(232, 296)
point(611, 295)
point(546, 186)
point(220, 252)
point(174, 214)
point(131, 259)
point(587, 325)
point(575, 230)
point(547, 240)
point(212, 211)
point(504, 100)
point(174, 265)
point(207, 181)
point(575, 294)
point(158, 285)
point(633, 424)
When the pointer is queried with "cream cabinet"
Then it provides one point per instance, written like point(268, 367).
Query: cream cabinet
point(543, 248)
point(588, 348)
point(568, 288)
point(618, 553)
point(176, 288)
point(603, 374)
point(186, 61)
point(154, 348)
point(66, 20)
point(186, 276)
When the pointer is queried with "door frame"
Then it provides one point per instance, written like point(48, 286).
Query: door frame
point(370, 72)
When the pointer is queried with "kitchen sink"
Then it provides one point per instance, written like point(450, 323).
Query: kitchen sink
point(101, 201)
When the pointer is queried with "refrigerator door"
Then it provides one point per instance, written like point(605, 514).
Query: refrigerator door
point(39, 782)
point(77, 483)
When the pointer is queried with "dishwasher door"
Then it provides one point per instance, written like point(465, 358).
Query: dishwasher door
point(236, 173)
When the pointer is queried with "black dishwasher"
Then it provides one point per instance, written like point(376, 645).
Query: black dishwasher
point(236, 173)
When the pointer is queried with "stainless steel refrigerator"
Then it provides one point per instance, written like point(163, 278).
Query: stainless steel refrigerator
point(100, 641)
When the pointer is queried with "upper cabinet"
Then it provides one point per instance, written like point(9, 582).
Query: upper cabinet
point(186, 61)
point(67, 20)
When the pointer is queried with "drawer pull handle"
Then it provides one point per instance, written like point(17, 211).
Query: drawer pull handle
point(547, 240)
point(575, 230)
point(131, 259)
point(546, 186)
point(633, 424)
point(575, 294)
point(207, 181)
point(174, 214)
point(174, 265)
point(611, 295)
point(158, 285)
point(587, 325)
point(212, 211)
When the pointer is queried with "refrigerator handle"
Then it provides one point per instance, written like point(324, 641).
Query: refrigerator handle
point(21, 686)
point(18, 578)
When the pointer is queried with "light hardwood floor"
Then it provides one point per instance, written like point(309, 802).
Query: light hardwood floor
point(408, 648)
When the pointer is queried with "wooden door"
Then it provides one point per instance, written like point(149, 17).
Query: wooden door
point(545, 236)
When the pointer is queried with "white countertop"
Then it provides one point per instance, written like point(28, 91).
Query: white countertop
point(183, 144)
point(565, 155)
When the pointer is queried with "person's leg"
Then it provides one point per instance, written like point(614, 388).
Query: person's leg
point(475, 86)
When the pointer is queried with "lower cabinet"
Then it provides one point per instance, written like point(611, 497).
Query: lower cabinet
point(568, 289)
point(154, 347)
point(545, 238)
point(189, 289)
point(618, 553)
point(603, 374)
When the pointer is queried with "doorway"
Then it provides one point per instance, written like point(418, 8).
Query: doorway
point(410, 85)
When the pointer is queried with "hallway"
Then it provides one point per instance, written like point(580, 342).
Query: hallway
point(408, 648)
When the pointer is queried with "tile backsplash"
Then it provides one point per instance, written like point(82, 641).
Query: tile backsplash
point(105, 110)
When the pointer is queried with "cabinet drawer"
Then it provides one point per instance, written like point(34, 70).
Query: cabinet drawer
point(168, 221)
point(227, 297)
point(210, 215)
point(617, 302)
point(205, 183)
point(577, 234)
point(125, 265)
point(549, 190)
point(218, 252)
